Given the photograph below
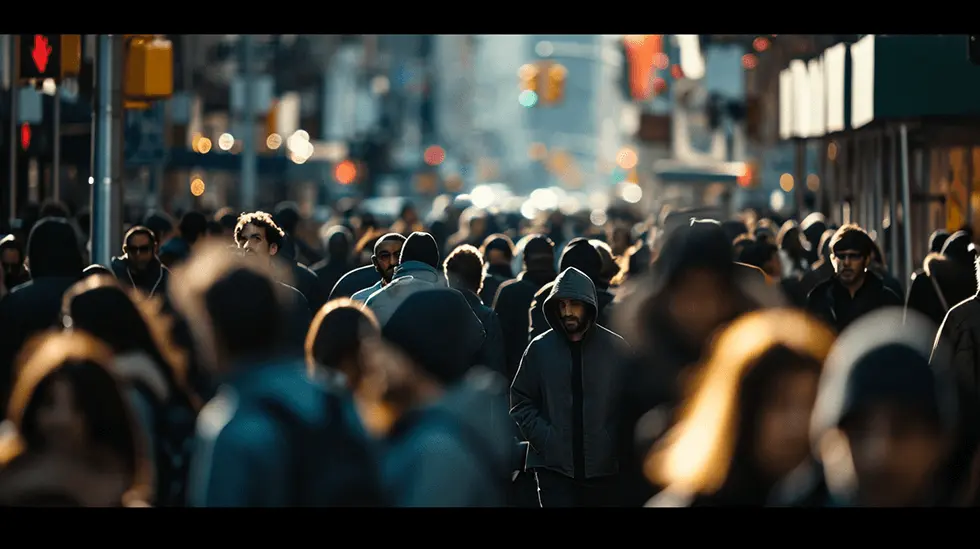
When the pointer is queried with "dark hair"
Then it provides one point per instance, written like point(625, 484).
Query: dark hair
point(273, 233)
point(287, 216)
point(158, 222)
point(851, 237)
point(193, 225)
point(53, 208)
point(499, 242)
point(245, 327)
point(421, 247)
point(465, 264)
point(139, 229)
point(336, 333)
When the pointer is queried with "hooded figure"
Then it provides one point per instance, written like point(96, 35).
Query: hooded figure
point(944, 280)
point(582, 255)
point(571, 421)
point(452, 451)
point(55, 263)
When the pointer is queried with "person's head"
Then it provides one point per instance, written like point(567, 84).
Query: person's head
point(851, 250)
point(886, 419)
point(387, 253)
point(335, 338)
point(338, 242)
point(66, 402)
point(287, 216)
point(539, 253)
point(498, 249)
point(11, 255)
point(610, 268)
point(421, 247)
point(54, 208)
point(161, 224)
point(937, 240)
point(193, 226)
point(53, 249)
point(748, 414)
point(234, 305)
point(464, 269)
point(140, 247)
point(258, 236)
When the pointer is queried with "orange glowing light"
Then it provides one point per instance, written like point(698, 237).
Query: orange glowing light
point(749, 61)
point(642, 56)
point(434, 155)
point(345, 172)
point(677, 72)
point(761, 44)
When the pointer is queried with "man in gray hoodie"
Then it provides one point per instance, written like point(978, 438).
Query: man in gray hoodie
point(564, 398)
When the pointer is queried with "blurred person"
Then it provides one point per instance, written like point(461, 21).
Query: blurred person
point(734, 228)
point(620, 240)
point(514, 298)
point(227, 217)
point(272, 437)
point(162, 226)
point(942, 283)
point(823, 269)
point(408, 220)
point(472, 229)
point(55, 263)
point(12, 262)
point(338, 243)
point(464, 271)
point(792, 251)
point(96, 269)
point(571, 422)
point(696, 289)
point(498, 253)
point(288, 217)
point(73, 431)
point(215, 229)
point(193, 227)
point(443, 445)
point(139, 267)
point(745, 424)
point(384, 261)
point(152, 370)
point(334, 342)
point(854, 290)
point(885, 419)
point(811, 229)
point(610, 267)
point(367, 275)
point(937, 240)
point(578, 253)
point(879, 268)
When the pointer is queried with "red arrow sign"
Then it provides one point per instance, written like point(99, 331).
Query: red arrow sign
point(41, 52)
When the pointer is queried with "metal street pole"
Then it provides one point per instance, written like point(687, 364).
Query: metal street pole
point(249, 158)
point(12, 42)
point(102, 176)
point(906, 201)
point(56, 153)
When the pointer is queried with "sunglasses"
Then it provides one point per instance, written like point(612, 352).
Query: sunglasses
point(139, 249)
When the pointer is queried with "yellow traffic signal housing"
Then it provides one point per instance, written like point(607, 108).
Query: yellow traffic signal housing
point(555, 84)
point(149, 72)
point(529, 75)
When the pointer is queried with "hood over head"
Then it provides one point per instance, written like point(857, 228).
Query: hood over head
point(338, 242)
point(582, 255)
point(937, 240)
point(882, 357)
point(52, 249)
point(438, 330)
point(570, 284)
point(959, 248)
point(538, 253)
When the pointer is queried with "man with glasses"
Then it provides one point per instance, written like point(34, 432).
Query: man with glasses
point(853, 291)
point(387, 251)
point(139, 267)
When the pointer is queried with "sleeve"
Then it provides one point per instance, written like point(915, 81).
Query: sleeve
point(525, 399)
point(493, 346)
point(963, 347)
point(537, 323)
point(246, 466)
point(440, 473)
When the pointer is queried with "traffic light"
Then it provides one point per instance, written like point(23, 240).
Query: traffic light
point(55, 56)
point(749, 176)
point(149, 68)
point(529, 75)
point(555, 85)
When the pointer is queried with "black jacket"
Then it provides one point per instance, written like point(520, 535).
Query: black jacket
point(152, 282)
point(831, 302)
point(541, 395)
point(355, 281)
point(512, 304)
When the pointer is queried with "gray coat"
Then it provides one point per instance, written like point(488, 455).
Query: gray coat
point(410, 277)
point(541, 394)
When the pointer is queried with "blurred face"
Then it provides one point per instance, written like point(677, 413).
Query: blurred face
point(254, 244)
point(773, 267)
point(10, 261)
point(139, 250)
point(497, 257)
point(699, 303)
point(573, 315)
point(850, 266)
point(783, 441)
point(386, 259)
point(59, 420)
point(895, 456)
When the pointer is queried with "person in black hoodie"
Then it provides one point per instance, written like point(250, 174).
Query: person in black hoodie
point(464, 271)
point(139, 267)
point(944, 280)
point(578, 253)
point(515, 296)
point(854, 290)
point(498, 253)
point(55, 263)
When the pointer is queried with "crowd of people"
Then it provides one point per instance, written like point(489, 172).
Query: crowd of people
point(478, 359)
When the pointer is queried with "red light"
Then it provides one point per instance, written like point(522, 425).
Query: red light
point(345, 172)
point(25, 136)
point(749, 61)
point(761, 44)
point(641, 54)
point(661, 61)
point(434, 155)
point(659, 85)
point(677, 72)
point(745, 178)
